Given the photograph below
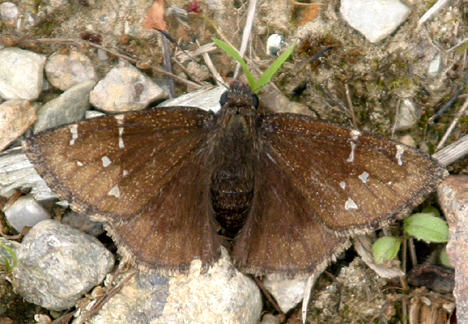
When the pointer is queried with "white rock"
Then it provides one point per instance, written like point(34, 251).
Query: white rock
point(375, 19)
point(408, 115)
point(125, 88)
point(25, 211)
point(21, 74)
point(287, 292)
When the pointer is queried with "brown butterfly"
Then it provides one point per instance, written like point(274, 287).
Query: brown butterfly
point(288, 189)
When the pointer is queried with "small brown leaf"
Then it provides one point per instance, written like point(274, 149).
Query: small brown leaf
point(155, 17)
point(309, 14)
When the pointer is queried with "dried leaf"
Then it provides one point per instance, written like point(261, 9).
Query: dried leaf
point(155, 17)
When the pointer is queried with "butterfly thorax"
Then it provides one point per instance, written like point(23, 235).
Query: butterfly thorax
point(232, 180)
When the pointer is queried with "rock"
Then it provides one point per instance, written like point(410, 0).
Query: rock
point(270, 319)
point(82, 223)
point(274, 43)
point(197, 71)
point(375, 19)
point(57, 264)
point(287, 292)
point(21, 74)
point(69, 107)
point(124, 89)
point(16, 116)
point(434, 66)
point(453, 199)
point(64, 71)
point(220, 295)
point(8, 13)
point(25, 211)
point(408, 115)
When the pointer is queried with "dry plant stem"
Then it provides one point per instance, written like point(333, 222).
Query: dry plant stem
point(428, 14)
point(209, 63)
point(452, 152)
point(350, 105)
point(80, 42)
point(64, 319)
point(106, 298)
point(167, 64)
point(246, 33)
point(453, 124)
point(301, 4)
point(412, 251)
point(270, 299)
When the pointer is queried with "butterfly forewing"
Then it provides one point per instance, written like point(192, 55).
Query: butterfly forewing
point(349, 178)
point(126, 169)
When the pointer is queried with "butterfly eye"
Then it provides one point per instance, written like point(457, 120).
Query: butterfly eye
point(224, 98)
point(255, 101)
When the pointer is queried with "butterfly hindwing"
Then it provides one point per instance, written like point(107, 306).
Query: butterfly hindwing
point(92, 164)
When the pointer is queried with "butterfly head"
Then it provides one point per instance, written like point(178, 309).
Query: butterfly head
point(239, 96)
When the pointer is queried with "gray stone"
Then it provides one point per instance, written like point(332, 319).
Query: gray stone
point(287, 292)
point(21, 74)
point(408, 115)
point(220, 295)
point(375, 19)
point(125, 88)
point(8, 13)
point(434, 66)
point(270, 319)
point(16, 116)
point(69, 107)
point(83, 223)
point(25, 211)
point(57, 264)
point(64, 71)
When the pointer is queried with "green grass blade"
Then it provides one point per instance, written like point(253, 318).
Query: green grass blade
point(13, 257)
point(233, 52)
point(273, 68)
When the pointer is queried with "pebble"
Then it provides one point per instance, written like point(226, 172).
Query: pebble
point(434, 66)
point(274, 43)
point(375, 19)
point(21, 74)
point(69, 107)
point(83, 223)
point(197, 71)
point(57, 264)
point(408, 115)
point(125, 88)
point(220, 295)
point(25, 211)
point(287, 292)
point(8, 13)
point(270, 319)
point(66, 70)
point(16, 116)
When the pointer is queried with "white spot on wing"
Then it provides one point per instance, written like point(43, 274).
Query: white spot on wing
point(350, 204)
point(121, 142)
point(355, 134)
point(114, 191)
point(119, 119)
point(124, 172)
point(105, 161)
point(79, 163)
point(351, 154)
point(399, 154)
point(364, 177)
point(343, 185)
point(74, 132)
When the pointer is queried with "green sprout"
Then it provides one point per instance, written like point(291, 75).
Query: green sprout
point(12, 253)
point(255, 85)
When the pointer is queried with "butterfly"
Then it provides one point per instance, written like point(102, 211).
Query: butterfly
point(284, 192)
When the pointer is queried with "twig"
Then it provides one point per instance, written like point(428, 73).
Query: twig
point(246, 33)
point(452, 152)
point(270, 299)
point(453, 124)
point(350, 105)
point(108, 296)
point(218, 79)
point(436, 7)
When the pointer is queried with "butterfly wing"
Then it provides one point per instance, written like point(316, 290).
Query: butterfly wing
point(326, 182)
point(144, 173)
